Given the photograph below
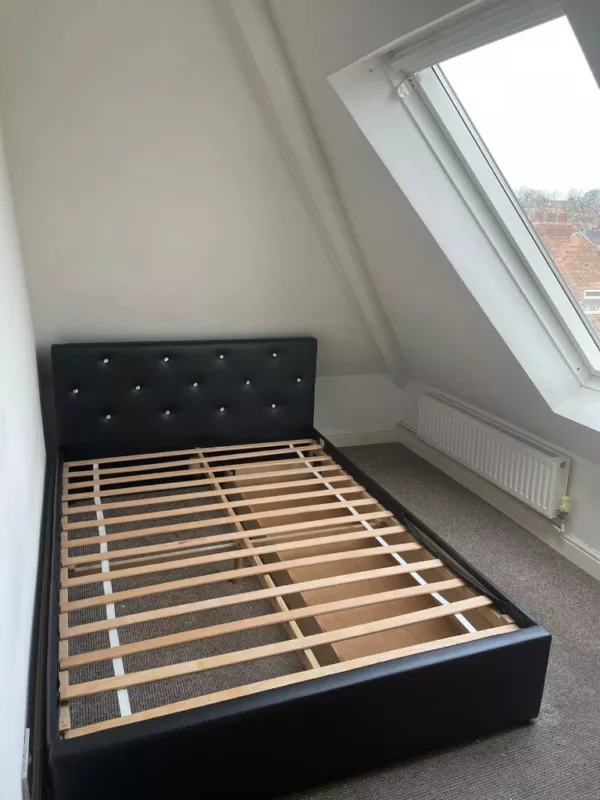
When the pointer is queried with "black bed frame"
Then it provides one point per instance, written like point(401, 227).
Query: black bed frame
point(285, 739)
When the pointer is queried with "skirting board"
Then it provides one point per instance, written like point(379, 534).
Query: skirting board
point(356, 438)
point(572, 548)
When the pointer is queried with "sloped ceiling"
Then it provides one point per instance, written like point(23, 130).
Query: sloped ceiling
point(150, 197)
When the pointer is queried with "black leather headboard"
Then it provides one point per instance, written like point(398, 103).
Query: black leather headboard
point(134, 397)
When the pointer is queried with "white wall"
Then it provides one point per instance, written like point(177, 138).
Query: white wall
point(358, 409)
point(150, 197)
point(21, 487)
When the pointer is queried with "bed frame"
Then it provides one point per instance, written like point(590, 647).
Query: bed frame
point(194, 467)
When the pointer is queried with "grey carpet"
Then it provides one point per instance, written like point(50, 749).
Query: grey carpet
point(558, 757)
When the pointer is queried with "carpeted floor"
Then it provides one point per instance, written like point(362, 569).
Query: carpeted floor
point(556, 758)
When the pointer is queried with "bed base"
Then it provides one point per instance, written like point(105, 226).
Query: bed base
point(473, 641)
point(401, 645)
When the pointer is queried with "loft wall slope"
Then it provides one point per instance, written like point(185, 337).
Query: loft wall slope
point(151, 198)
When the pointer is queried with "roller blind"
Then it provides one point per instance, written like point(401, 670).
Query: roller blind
point(473, 25)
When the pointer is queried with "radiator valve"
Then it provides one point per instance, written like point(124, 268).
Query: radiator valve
point(565, 506)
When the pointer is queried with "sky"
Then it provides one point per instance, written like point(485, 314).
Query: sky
point(536, 105)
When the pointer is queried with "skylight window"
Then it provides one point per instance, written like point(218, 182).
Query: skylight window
point(534, 107)
point(488, 122)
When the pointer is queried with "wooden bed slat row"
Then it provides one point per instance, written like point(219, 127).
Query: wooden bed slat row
point(208, 540)
point(291, 626)
point(191, 469)
point(193, 451)
point(173, 498)
point(71, 544)
point(151, 488)
point(239, 656)
point(262, 569)
point(188, 463)
point(67, 632)
point(247, 552)
point(301, 547)
point(256, 622)
point(299, 677)
point(176, 512)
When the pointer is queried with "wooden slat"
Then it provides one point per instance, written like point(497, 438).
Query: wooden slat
point(244, 597)
point(64, 712)
point(486, 616)
point(216, 557)
point(291, 627)
point(184, 462)
point(192, 451)
point(185, 497)
point(90, 569)
point(215, 522)
point(347, 525)
point(200, 580)
point(68, 662)
point(207, 541)
point(131, 468)
point(181, 473)
point(258, 445)
point(291, 530)
point(136, 457)
point(161, 487)
point(264, 651)
point(204, 508)
point(64, 718)
point(288, 680)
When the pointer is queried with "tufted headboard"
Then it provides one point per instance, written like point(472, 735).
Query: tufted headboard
point(128, 397)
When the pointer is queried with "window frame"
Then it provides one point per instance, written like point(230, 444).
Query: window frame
point(452, 119)
point(592, 296)
point(390, 109)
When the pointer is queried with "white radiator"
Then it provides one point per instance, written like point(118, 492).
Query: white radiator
point(523, 468)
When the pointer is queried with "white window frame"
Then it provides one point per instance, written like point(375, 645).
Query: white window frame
point(393, 110)
point(447, 111)
point(474, 24)
point(592, 298)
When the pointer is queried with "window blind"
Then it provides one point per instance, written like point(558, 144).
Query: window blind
point(473, 25)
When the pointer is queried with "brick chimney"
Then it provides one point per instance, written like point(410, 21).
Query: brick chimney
point(538, 216)
point(551, 216)
point(562, 217)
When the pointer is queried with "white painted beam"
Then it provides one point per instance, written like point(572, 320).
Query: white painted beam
point(265, 63)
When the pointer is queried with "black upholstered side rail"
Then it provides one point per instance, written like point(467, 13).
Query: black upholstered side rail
point(132, 397)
